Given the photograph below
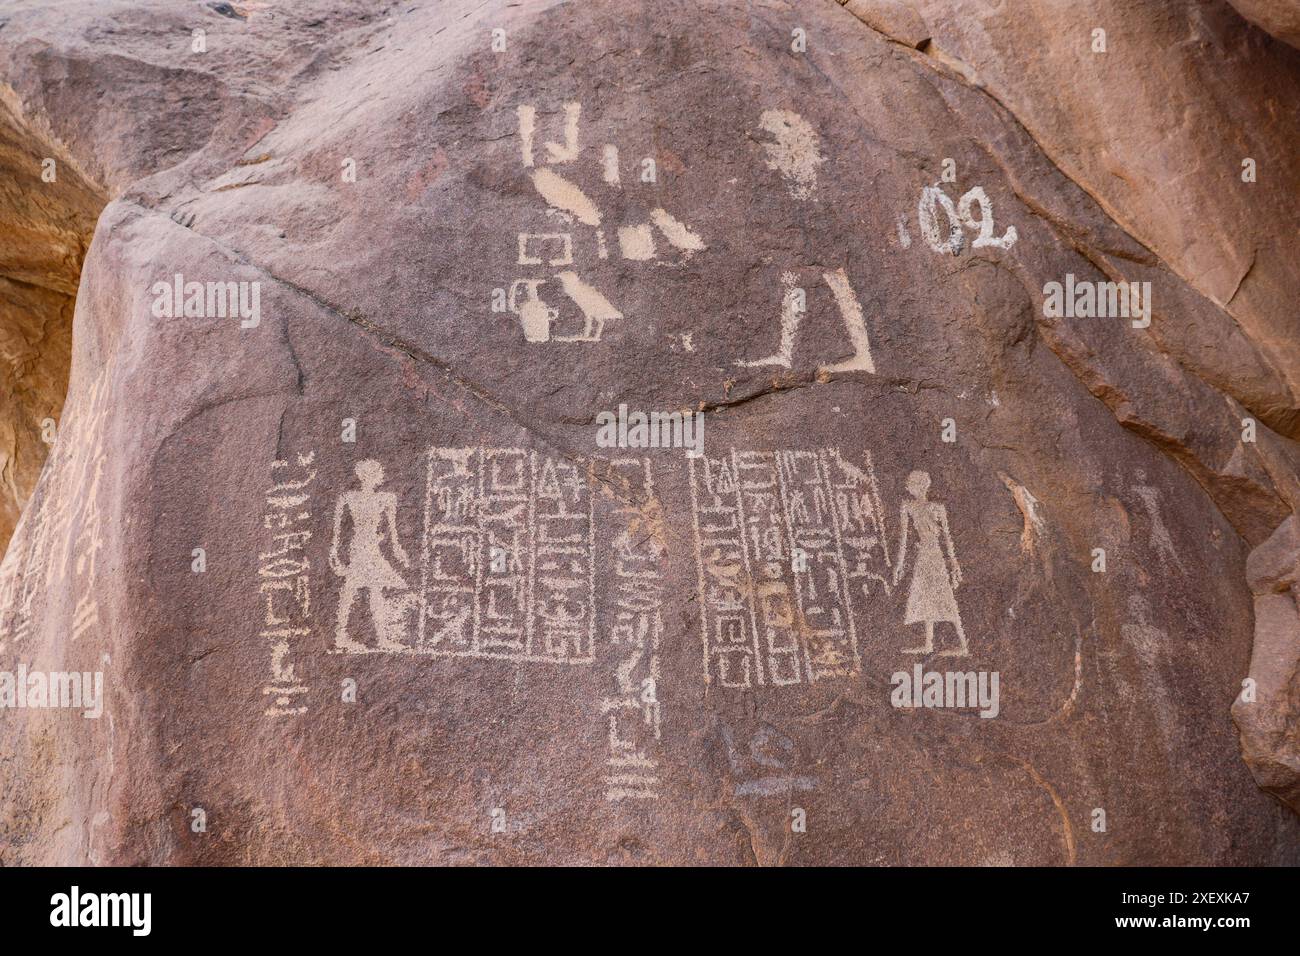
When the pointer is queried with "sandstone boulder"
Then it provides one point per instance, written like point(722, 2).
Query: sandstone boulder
point(1280, 18)
point(333, 511)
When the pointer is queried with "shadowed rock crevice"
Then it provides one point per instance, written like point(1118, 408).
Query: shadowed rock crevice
point(47, 214)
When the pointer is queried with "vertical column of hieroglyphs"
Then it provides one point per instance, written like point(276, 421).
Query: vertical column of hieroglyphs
point(787, 542)
point(727, 613)
point(284, 581)
point(780, 641)
point(450, 551)
point(812, 503)
point(81, 524)
point(563, 572)
point(502, 619)
point(630, 533)
point(858, 518)
point(506, 567)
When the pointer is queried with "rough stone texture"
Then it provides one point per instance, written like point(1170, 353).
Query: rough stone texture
point(47, 214)
point(626, 743)
point(1139, 131)
point(1280, 18)
point(1268, 724)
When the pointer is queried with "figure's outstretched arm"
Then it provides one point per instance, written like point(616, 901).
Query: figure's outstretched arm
point(391, 513)
point(952, 551)
point(902, 545)
point(335, 562)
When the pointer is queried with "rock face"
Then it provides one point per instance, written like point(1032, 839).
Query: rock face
point(46, 219)
point(1268, 734)
point(335, 513)
point(1281, 18)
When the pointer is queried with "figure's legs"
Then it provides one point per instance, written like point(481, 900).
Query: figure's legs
point(347, 597)
point(929, 641)
point(596, 309)
point(790, 315)
point(851, 313)
point(386, 621)
point(961, 651)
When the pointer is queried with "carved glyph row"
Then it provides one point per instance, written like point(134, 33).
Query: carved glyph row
point(789, 545)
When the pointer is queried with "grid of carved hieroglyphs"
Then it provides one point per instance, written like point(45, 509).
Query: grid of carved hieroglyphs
point(507, 565)
point(786, 542)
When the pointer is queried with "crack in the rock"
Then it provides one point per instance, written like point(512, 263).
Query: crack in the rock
point(1254, 256)
point(943, 64)
point(938, 60)
point(391, 340)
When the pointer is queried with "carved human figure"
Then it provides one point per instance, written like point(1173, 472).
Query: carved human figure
point(932, 598)
point(366, 568)
point(1160, 540)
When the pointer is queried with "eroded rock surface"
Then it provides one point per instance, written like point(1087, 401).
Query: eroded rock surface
point(47, 214)
point(435, 619)
point(1269, 732)
point(1280, 18)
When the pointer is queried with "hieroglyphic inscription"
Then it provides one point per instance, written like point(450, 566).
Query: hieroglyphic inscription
point(545, 248)
point(793, 304)
point(284, 582)
point(786, 541)
point(509, 549)
point(631, 707)
point(791, 549)
point(506, 566)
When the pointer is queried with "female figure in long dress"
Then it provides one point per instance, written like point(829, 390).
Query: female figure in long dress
point(937, 575)
point(367, 569)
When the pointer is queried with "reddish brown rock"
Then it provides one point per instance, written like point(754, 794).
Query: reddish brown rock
point(1268, 709)
point(47, 213)
point(1123, 114)
point(436, 619)
point(1280, 18)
